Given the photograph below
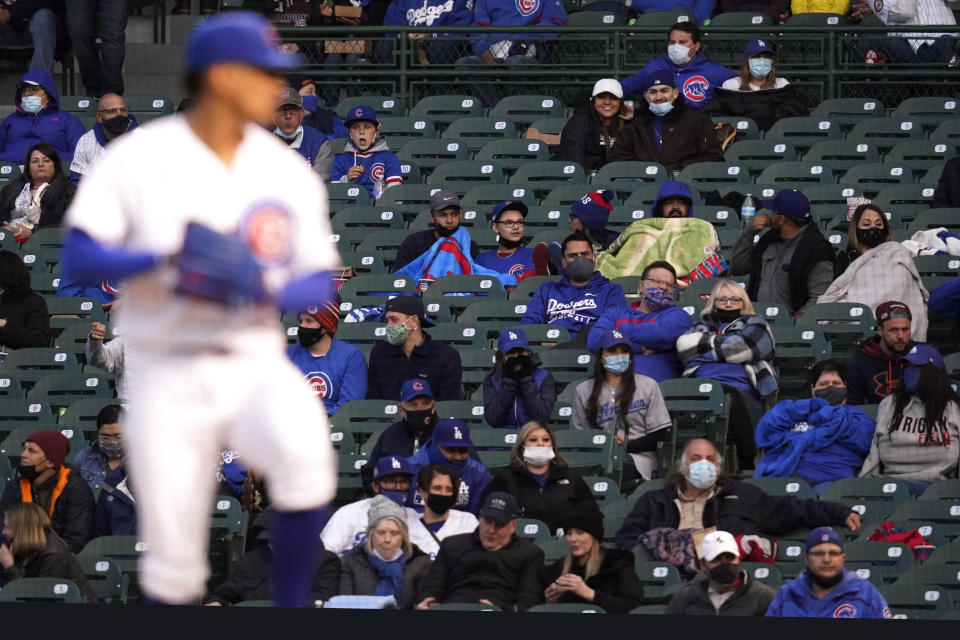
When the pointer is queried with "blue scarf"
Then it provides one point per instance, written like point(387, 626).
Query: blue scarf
point(391, 575)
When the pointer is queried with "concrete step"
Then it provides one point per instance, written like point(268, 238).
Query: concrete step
point(153, 59)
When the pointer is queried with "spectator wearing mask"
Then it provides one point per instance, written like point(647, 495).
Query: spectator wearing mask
point(46, 480)
point(492, 565)
point(834, 441)
point(445, 215)
point(625, 404)
point(518, 389)
point(508, 221)
point(335, 370)
point(874, 370)
point(37, 119)
point(722, 588)
point(24, 320)
point(917, 438)
point(39, 197)
point(98, 460)
point(450, 445)
point(418, 417)
point(592, 132)
point(652, 325)
point(692, 72)
point(758, 92)
point(438, 487)
point(290, 128)
point(733, 345)
point(30, 548)
point(112, 121)
point(580, 297)
point(792, 265)
point(387, 564)
point(868, 228)
point(347, 528)
point(541, 481)
point(589, 573)
point(409, 352)
point(826, 589)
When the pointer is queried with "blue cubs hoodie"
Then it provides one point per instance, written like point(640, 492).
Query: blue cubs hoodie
point(514, 13)
point(378, 162)
point(658, 331)
point(474, 477)
point(21, 130)
point(695, 80)
point(573, 307)
point(854, 597)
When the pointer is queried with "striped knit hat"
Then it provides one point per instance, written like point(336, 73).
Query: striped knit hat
point(327, 314)
point(594, 208)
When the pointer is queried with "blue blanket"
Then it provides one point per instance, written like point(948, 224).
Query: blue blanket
point(450, 256)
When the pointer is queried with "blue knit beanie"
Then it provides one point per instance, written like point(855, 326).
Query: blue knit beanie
point(593, 209)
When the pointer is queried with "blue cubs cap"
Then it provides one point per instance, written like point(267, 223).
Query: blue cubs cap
point(500, 506)
point(613, 338)
point(413, 388)
point(922, 354)
point(508, 205)
point(821, 535)
point(790, 203)
point(756, 47)
point(657, 79)
point(452, 432)
point(238, 36)
point(390, 465)
point(511, 339)
point(361, 112)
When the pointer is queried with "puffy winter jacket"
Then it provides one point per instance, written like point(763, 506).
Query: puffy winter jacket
point(564, 489)
point(21, 130)
point(854, 597)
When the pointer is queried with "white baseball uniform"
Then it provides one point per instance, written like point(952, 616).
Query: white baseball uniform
point(208, 377)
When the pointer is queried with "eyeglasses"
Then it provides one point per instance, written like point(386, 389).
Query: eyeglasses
point(511, 224)
point(117, 111)
point(393, 483)
point(729, 301)
point(659, 283)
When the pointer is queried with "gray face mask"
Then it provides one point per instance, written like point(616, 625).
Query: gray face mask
point(112, 450)
point(580, 270)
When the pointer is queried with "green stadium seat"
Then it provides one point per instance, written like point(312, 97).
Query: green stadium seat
point(873, 498)
point(148, 107)
point(792, 487)
point(411, 173)
point(463, 606)
point(804, 131)
point(947, 131)
point(699, 408)
point(928, 111)
point(921, 155)
point(105, 578)
point(356, 219)
point(482, 198)
point(630, 172)
point(9, 171)
point(943, 490)
point(480, 287)
point(388, 240)
point(595, 19)
point(533, 529)
point(400, 129)
point(565, 607)
point(548, 174)
point(527, 109)
point(740, 19)
point(6, 469)
point(343, 441)
point(907, 200)
point(747, 128)
point(445, 109)
point(604, 489)
point(560, 198)
point(917, 602)
point(930, 517)
point(945, 576)
point(470, 411)
point(124, 552)
point(71, 308)
point(500, 314)
point(349, 480)
point(840, 155)
point(844, 324)
point(45, 238)
point(567, 365)
point(528, 286)
point(46, 590)
point(933, 218)
point(814, 20)
point(762, 572)
point(383, 105)
point(847, 112)
point(650, 609)
point(429, 153)
point(937, 265)
point(540, 218)
point(551, 126)
point(773, 313)
point(797, 350)
point(884, 133)
point(700, 289)
point(513, 153)
point(461, 175)
point(46, 284)
point(797, 172)
point(62, 389)
point(373, 290)
point(357, 333)
point(479, 130)
point(707, 176)
point(659, 579)
point(830, 194)
point(880, 553)
point(78, 105)
point(757, 155)
point(459, 334)
point(30, 365)
point(874, 176)
point(83, 413)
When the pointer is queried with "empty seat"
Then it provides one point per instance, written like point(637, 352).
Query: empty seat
point(477, 131)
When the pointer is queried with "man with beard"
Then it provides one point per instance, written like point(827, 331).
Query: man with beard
point(445, 216)
point(826, 589)
point(722, 588)
point(874, 370)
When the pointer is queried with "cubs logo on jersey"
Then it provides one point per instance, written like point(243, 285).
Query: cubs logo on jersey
point(320, 383)
point(845, 610)
point(517, 270)
point(695, 88)
point(378, 171)
point(527, 7)
point(268, 230)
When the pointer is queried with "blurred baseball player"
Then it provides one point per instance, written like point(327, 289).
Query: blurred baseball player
point(188, 211)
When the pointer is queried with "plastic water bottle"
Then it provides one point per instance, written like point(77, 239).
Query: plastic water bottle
point(748, 210)
point(378, 186)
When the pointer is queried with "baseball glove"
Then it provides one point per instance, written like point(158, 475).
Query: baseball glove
point(218, 268)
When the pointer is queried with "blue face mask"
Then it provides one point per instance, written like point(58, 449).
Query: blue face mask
point(910, 379)
point(703, 474)
point(616, 364)
point(400, 497)
point(293, 135)
point(658, 299)
point(760, 67)
point(661, 109)
point(31, 104)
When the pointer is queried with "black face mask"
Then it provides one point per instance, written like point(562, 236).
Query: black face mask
point(826, 583)
point(871, 237)
point(309, 337)
point(116, 125)
point(443, 232)
point(28, 472)
point(421, 421)
point(518, 367)
point(725, 573)
point(440, 504)
point(833, 395)
point(509, 244)
point(725, 315)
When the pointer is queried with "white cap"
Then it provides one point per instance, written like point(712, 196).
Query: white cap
point(717, 542)
point(607, 85)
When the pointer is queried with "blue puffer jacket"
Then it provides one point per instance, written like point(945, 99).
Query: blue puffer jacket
point(474, 477)
point(21, 130)
point(852, 598)
point(573, 307)
point(813, 440)
point(696, 80)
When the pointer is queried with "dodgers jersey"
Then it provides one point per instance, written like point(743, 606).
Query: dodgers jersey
point(153, 181)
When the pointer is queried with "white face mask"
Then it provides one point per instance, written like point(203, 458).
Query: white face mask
point(678, 54)
point(538, 456)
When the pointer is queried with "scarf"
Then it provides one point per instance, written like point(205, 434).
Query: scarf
point(390, 572)
point(450, 256)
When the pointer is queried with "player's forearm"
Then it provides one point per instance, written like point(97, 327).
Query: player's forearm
point(83, 259)
point(311, 291)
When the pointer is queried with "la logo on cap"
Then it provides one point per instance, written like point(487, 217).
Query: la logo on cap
point(512, 335)
point(394, 463)
point(617, 334)
point(760, 43)
point(457, 434)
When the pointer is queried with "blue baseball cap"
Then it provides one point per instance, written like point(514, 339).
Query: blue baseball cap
point(391, 465)
point(238, 36)
point(511, 339)
point(657, 79)
point(821, 535)
point(501, 506)
point(508, 205)
point(756, 47)
point(922, 354)
point(452, 432)
point(790, 203)
point(413, 388)
point(361, 112)
point(612, 338)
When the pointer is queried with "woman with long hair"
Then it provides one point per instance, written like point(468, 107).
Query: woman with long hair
point(591, 133)
point(24, 319)
point(539, 478)
point(917, 438)
point(40, 197)
point(868, 228)
point(33, 550)
point(625, 404)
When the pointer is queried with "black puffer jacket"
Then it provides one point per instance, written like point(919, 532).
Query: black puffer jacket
point(689, 136)
point(581, 142)
point(56, 561)
point(53, 204)
point(616, 583)
point(765, 106)
point(564, 490)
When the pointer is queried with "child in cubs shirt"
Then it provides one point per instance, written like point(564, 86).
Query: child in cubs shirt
point(366, 160)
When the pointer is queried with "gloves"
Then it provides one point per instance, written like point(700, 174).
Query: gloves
point(218, 268)
point(518, 367)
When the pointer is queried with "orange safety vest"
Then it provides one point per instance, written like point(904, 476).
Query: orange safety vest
point(26, 489)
